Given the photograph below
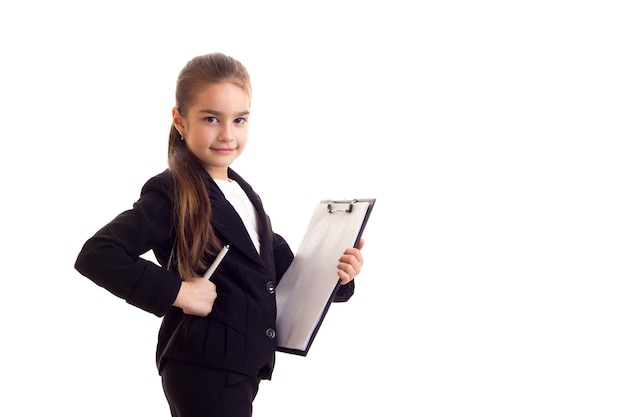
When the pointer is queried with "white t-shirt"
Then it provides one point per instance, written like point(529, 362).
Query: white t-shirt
point(238, 198)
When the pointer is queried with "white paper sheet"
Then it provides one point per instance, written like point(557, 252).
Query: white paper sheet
point(304, 292)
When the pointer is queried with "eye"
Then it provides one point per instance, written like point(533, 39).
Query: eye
point(240, 121)
point(211, 119)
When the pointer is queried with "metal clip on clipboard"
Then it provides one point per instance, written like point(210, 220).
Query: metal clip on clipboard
point(330, 209)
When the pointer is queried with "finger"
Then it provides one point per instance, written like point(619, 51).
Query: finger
point(344, 277)
point(353, 257)
point(346, 272)
point(358, 246)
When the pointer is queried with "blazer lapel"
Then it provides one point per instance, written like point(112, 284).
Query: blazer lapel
point(266, 234)
point(228, 224)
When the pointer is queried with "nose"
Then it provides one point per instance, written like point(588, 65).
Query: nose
point(227, 133)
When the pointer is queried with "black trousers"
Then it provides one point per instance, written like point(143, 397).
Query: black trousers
point(197, 391)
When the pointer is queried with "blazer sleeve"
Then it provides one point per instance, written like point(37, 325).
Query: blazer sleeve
point(283, 256)
point(112, 257)
point(344, 292)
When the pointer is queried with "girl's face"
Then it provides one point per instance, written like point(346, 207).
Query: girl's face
point(216, 126)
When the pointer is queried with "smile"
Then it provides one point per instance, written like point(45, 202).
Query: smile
point(222, 150)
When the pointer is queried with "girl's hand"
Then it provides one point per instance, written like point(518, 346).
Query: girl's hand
point(350, 263)
point(196, 296)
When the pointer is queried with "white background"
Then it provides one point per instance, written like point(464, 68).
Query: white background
point(490, 132)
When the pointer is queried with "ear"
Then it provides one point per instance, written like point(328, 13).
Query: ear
point(178, 121)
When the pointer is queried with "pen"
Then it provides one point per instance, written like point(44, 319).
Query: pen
point(216, 262)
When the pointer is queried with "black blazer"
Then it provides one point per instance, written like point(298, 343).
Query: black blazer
point(239, 334)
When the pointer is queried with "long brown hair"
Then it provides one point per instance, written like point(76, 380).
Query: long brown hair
point(195, 240)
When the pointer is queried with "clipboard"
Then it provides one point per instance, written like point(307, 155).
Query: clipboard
point(307, 288)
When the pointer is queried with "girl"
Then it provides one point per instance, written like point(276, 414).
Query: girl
point(217, 338)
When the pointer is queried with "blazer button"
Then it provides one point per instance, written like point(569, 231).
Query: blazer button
point(271, 333)
point(270, 287)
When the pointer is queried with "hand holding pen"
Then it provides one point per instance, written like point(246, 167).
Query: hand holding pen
point(197, 295)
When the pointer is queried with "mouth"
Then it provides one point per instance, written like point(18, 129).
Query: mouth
point(223, 151)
